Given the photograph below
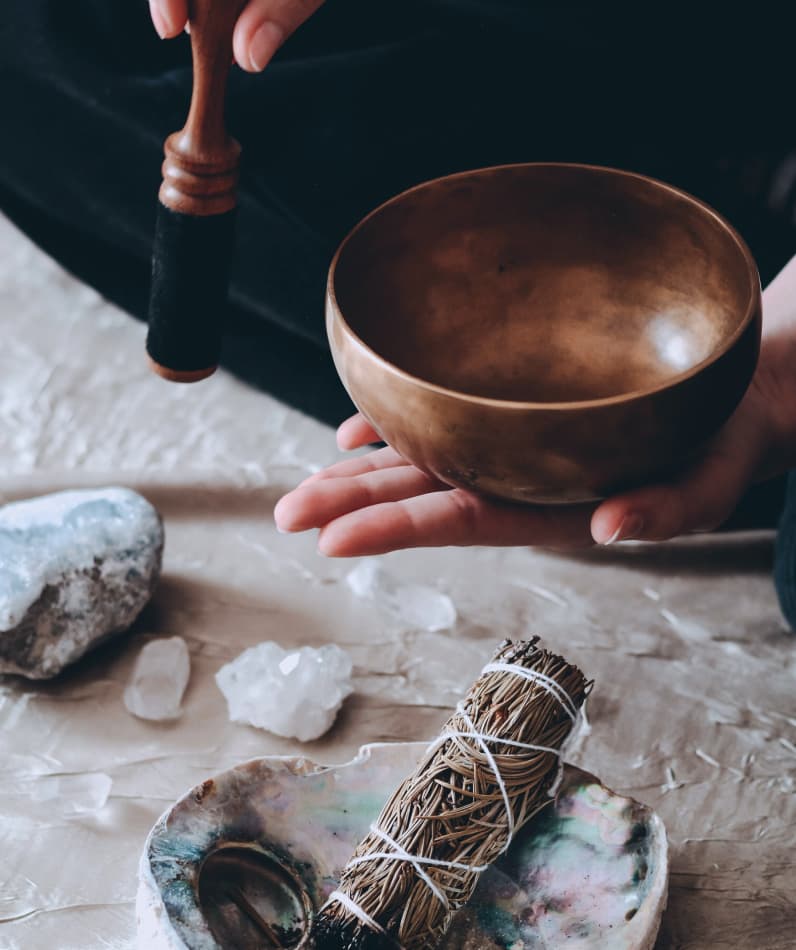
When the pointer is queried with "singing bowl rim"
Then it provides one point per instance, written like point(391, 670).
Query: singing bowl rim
point(753, 304)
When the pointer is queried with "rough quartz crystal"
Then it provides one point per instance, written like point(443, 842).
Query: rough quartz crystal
point(158, 680)
point(293, 693)
point(415, 605)
point(75, 568)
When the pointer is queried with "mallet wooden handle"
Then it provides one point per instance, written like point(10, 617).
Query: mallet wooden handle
point(194, 231)
point(200, 171)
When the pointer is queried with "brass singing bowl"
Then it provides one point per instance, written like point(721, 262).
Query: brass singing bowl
point(545, 333)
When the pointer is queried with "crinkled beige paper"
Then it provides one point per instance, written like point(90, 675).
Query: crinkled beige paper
point(694, 709)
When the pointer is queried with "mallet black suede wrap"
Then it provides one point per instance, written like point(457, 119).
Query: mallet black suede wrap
point(190, 275)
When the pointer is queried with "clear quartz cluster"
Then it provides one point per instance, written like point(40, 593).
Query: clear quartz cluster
point(295, 693)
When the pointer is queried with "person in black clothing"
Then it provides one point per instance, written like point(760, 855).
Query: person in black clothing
point(366, 99)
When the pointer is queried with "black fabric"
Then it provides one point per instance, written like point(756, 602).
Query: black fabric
point(365, 100)
point(785, 555)
point(760, 509)
point(191, 260)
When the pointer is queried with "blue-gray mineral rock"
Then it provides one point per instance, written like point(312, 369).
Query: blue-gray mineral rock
point(75, 568)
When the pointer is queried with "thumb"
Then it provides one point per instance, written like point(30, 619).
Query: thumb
point(356, 432)
point(264, 26)
point(168, 16)
point(699, 500)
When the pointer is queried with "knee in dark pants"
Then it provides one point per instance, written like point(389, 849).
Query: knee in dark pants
point(785, 556)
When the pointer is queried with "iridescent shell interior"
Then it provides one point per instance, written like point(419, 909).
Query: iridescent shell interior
point(245, 858)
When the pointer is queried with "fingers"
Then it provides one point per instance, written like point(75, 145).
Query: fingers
point(356, 432)
point(168, 16)
point(264, 26)
point(261, 29)
point(453, 517)
point(318, 503)
point(702, 499)
point(378, 502)
point(361, 465)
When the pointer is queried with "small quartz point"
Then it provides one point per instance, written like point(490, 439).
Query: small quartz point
point(416, 605)
point(159, 679)
point(295, 693)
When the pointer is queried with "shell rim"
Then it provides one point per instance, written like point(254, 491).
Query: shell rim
point(151, 911)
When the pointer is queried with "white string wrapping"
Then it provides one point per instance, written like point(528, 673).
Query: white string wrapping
point(398, 853)
point(546, 682)
point(353, 908)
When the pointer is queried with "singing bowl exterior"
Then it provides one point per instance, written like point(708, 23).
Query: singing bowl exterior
point(543, 451)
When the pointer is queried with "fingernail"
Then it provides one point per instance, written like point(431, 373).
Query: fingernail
point(631, 527)
point(160, 21)
point(265, 42)
point(279, 519)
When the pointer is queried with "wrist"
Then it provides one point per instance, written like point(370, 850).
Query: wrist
point(773, 388)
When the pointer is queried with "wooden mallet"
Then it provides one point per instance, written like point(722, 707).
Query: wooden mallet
point(194, 233)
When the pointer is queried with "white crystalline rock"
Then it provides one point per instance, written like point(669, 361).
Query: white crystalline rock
point(158, 680)
point(75, 567)
point(416, 605)
point(292, 693)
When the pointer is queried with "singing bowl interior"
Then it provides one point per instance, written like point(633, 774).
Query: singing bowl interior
point(545, 284)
